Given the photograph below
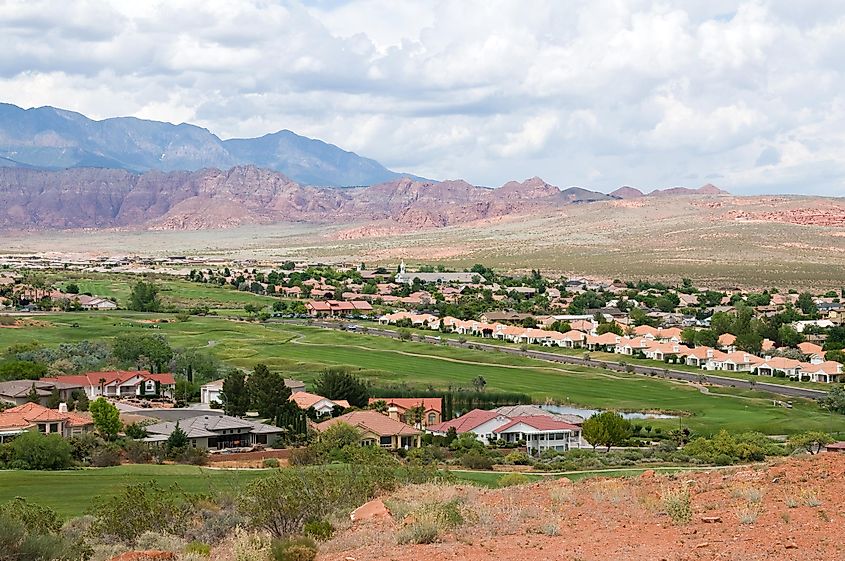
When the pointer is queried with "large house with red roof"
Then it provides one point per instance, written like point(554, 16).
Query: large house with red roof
point(432, 408)
point(32, 416)
point(538, 432)
point(121, 383)
point(333, 308)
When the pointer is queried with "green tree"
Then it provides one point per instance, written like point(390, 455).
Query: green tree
point(54, 400)
point(106, 418)
point(340, 383)
point(606, 429)
point(267, 391)
point(144, 297)
point(788, 336)
point(72, 288)
point(177, 441)
point(32, 396)
point(609, 327)
point(806, 305)
point(834, 401)
point(479, 383)
point(234, 394)
point(137, 349)
point(812, 441)
point(41, 451)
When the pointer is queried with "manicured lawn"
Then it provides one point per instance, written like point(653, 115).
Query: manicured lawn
point(491, 479)
point(304, 351)
point(71, 493)
point(178, 292)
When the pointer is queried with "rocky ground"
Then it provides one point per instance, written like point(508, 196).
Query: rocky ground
point(792, 509)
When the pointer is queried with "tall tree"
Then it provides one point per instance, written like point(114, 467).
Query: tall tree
point(142, 350)
point(234, 394)
point(144, 297)
point(267, 391)
point(106, 418)
point(339, 383)
point(606, 429)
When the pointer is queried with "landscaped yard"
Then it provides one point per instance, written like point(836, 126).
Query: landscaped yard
point(304, 351)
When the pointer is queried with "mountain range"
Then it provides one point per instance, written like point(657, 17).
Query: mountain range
point(51, 138)
point(211, 198)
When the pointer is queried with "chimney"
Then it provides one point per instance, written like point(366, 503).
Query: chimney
point(62, 407)
point(393, 412)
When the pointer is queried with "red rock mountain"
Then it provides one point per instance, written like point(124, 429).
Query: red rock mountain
point(626, 192)
point(211, 198)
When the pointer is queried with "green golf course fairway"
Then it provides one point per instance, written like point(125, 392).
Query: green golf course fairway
point(303, 351)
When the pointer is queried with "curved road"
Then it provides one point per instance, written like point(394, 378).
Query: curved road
point(697, 377)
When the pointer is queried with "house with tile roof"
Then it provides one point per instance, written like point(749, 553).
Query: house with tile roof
point(17, 392)
point(321, 405)
point(32, 416)
point(215, 432)
point(121, 383)
point(540, 433)
point(432, 408)
point(334, 308)
point(378, 430)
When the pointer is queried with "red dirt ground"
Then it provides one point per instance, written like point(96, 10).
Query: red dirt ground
point(789, 510)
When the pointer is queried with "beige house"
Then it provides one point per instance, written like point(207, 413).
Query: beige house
point(378, 430)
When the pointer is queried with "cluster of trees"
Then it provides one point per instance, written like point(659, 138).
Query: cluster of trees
point(456, 401)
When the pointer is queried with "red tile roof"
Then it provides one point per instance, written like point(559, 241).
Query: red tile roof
point(373, 422)
point(467, 422)
point(539, 422)
point(405, 403)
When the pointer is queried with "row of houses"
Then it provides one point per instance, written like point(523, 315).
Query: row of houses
point(112, 384)
point(659, 344)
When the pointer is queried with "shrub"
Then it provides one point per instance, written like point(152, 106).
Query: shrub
point(250, 547)
point(33, 450)
point(677, 504)
point(282, 502)
point(143, 508)
point(318, 529)
point(105, 456)
point(192, 456)
point(474, 459)
point(518, 459)
point(35, 518)
point(511, 479)
point(137, 452)
point(270, 463)
point(198, 548)
point(419, 533)
point(293, 549)
point(19, 543)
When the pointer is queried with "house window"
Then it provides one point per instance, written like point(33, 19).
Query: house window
point(432, 418)
point(386, 440)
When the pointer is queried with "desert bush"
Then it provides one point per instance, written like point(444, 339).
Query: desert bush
point(192, 456)
point(213, 523)
point(137, 452)
point(198, 548)
point(270, 463)
point(282, 502)
point(143, 508)
point(562, 496)
point(160, 541)
point(518, 459)
point(248, 546)
point(105, 456)
point(17, 543)
point(810, 497)
point(511, 479)
point(422, 532)
point(35, 518)
point(474, 459)
point(747, 514)
point(318, 529)
point(293, 549)
point(677, 504)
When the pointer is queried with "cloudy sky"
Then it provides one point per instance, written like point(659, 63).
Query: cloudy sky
point(749, 96)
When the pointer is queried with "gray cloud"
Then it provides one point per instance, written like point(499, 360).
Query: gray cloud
point(598, 93)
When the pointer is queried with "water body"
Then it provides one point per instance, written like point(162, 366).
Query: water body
point(587, 413)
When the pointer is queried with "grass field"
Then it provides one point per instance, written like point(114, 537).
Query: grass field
point(71, 493)
point(304, 351)
point(174, 291)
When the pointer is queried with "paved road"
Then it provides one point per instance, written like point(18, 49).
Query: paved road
point(698, 377)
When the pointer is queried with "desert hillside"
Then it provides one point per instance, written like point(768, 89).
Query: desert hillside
point(788, 510)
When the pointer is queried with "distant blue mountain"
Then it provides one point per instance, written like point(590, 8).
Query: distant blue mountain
point(50, 138)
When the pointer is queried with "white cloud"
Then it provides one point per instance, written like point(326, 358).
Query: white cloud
point(597, 93)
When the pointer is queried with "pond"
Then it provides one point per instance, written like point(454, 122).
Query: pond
point(586, 413)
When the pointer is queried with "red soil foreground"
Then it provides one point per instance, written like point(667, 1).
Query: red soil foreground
point(789, 510)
